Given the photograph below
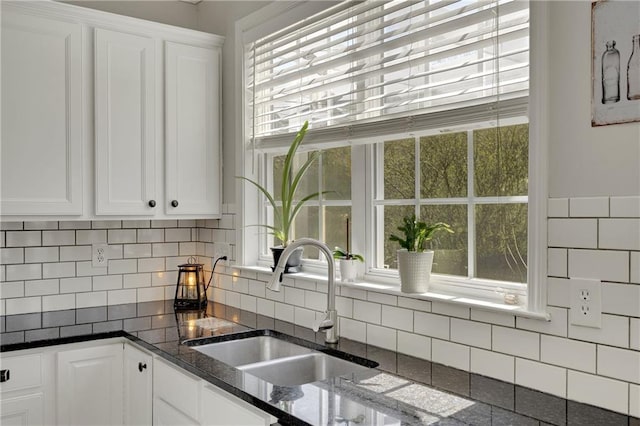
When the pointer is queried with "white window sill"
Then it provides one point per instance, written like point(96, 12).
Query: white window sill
point(394, 289)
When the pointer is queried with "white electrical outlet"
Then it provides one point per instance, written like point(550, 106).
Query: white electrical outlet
point(221, 249)
point(586, 303)
point(99, 255)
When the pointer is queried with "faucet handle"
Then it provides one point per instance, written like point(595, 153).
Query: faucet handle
point(323, 323)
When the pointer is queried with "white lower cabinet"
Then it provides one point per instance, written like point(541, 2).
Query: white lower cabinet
point(22, 390)
point(138, 386)
point(90, 385)
point(222, 409)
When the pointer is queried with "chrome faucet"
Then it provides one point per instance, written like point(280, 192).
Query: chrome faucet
point(329, 321)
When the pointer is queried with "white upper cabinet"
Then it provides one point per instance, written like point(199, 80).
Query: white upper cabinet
point(193, 171)
point(107, 116)
point(125, 143)
point(41, 145)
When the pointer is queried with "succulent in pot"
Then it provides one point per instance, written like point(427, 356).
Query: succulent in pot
point(414, 260)
point(285, 211)
point(348, 263)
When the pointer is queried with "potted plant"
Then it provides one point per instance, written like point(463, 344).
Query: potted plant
point(348, 260)
point(414, 260)
point(284, 215)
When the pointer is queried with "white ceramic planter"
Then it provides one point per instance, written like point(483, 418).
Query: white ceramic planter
point(415, 270)
point(348, 270)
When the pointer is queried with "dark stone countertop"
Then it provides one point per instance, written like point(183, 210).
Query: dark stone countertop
point(401, 390)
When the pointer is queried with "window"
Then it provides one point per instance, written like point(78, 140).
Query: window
point(417, 107)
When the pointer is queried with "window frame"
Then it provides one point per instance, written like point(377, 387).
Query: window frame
point(277, 15)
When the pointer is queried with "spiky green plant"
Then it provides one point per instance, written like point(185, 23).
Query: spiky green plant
point(285, 215)
point(338, 253)
point(417, 234)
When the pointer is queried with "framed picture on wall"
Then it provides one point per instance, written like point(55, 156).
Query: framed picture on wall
point(615, 54)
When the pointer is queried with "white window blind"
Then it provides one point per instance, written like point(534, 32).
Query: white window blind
point(361, 67)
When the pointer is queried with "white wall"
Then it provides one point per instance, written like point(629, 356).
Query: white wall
point(584, 161)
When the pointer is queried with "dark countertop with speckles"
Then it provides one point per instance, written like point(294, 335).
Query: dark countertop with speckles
point(401, 390)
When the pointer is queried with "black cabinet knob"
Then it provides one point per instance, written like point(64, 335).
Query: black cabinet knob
point(174, 203)
point(4, 375)
point(142, 366)
point(152, 203)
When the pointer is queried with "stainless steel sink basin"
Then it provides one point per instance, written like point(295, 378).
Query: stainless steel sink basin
point(301, 369)
point(251, 350)
point(278, 359)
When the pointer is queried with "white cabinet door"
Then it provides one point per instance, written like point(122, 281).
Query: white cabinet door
point(125, 123)
point(41, 148)
point(165, 414)
point(138, 386)
point(23, 410)
point(222, 409)
point(176, 388)
point(192, 109)
point(89, 386)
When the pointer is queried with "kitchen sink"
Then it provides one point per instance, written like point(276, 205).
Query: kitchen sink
point(301, 369)
point(280, 359)
point(251, 350)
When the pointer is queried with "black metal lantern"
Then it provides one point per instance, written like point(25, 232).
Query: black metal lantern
point(190, 290)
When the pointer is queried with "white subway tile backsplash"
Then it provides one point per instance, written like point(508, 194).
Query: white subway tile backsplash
point(450, 309)
point(497, 318)
point(107, 282)
point(589, 207)
point(385, 299)
point(106, 224)
point(415, 304)
point(284, 312)
point(248, 303)
point(574, 233)
point(599, 391)
point(41, 287)
point(621, 299)
point(150, 235)
point(136, 223)
point(620, 234)
point(625, 206)
point(166, 223)
point(58, 238)
point(471, 333)
point(634, 334)
point(233, 299)
point(58, 302)
point(74, 253)
point(354, 330)
point(451, 354)
point(136, 280)
point(381, 337)
point(149, 294)
point(187, 249)
point(11, 226)
point(11, 289)
point(278, 296)
point(23, 272)
point(605, 265)
point(316, 301)
point(568, 353)
point(59, 270)
point(353, 293)
point(41, 254)
point(91, 237)
point(431, 325)
point(11, 255)
point(177, 234)
point(344, 306)
point(74, 224)
point(303, 317)
point(398, 318)
point(23, 238)
point(123, 266)
point(614, 331)
point(492, 364)
point(151, 265)
point(293, 296)
point(257, 288)
point(558, 292)
point(516, 342)
point(120, 236)
point(367, 311)
point(557, 262)
point(165, 249)
point(85, 269)
point(542, 377)
point(634, 401)
point(40, 225)
point(414, 345)
point(622, 364)
point(635, 267)
point(266, 307)
point(75, 285)
point(25, 305)
point(119, 297)
point(558, 207)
